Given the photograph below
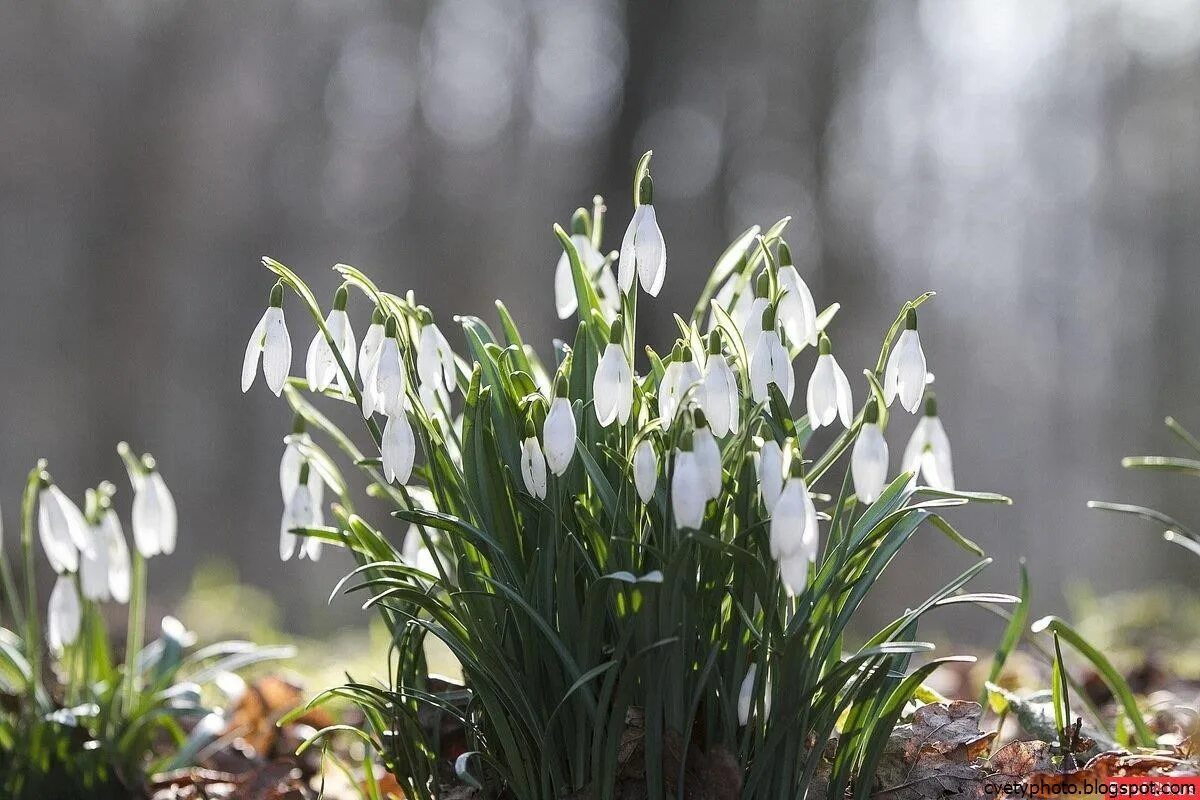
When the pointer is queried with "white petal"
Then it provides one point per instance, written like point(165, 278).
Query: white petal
point(720, 396)
point(399, 448)
point(770, 473)
point(343, 334)
point(911, 460)
point(368, 353)
point(911, 370)
point(558, 433)
point(794, 572)
point(146, 519)
point(845, 400)
point(169, 519)
point(651, 252)
point(64, 614)
point(645, 470)
point(77, 527)
point(688, 491)
point(708, 460)
point(752, 327)
point(254, 349)
point(296, 514)
point(565, 301)
point(277, 350)
point(822, 393)
point(118, 558)
point(937, 465)
point(435, 360)
point(313, 361)
point(789, 519)
point(390, 380)
point(93, 568)
point(607, 385)
point(54, 533)
point(869, 463)
point(746, 695)
point(289, 467)
point(627, 263)
point(797, 311)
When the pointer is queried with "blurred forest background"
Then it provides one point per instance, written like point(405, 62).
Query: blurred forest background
point(1037, 163)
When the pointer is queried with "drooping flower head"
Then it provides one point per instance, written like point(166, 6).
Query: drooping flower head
point(770, 362)
point(794, 532)
point(797, 310)
point(869, 459)
point(770, 464)
point(592, 261)
point(643, 250)
point(270, 342)
point(299, 512)
point(928, 450)
point(155, 520)
point(612, 386)
point(829, 395)
point(533, 463)
point(645, 469)
point(559, 432)
point(64, 614)
point(707, 454)
point(368, 351)
point(435, 359)
point(61, 528)
point(719, 396)
point(321, 368)
point(689, 489)
point(752, 323)
point(678, 378)
point(388, 390)
point(906, 369)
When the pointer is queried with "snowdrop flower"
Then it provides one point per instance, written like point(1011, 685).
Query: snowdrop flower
point(64, 614)
point(869, 460)
point(398, 448)
point(645, 470)
point(155, 521)
point(435, 359)
point(746, 696)
point(719, 395)
point(533, 464)
point(320, 367)
point(770, 473)
point(61, 529)
point(906, 368)
point(609, 294)
point(753, 324)
point(565, 301)
point(828, 390)
point(558, 431)
point(794, 533)
point(708, 456)
point(112, 538)
point(369, 350)
point(298, 512)
point(612, 386)
point(291, 462)
point(386, 392)
point(269, 340)
point(689, 492)
point(643, 250)
point(680, 375)
point(928, 450)
point(797, 310)
point(770, 363)
point(93, 567)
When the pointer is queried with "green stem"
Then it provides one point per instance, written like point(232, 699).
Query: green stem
point(136, 629)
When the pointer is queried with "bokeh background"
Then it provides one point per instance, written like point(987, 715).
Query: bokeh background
point(1037, 163)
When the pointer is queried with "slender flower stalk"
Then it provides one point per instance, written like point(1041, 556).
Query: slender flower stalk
point(270, 342)
point(612, 386)
point(869, 459)
point(770, 363)
point(320, 367)
point(928, 450)
point(906, 369)
point(643, 250)
point(828, 390)
point(558, 432)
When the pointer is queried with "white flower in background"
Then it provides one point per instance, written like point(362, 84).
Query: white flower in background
point(719, 395)
point(928, 450)
point(770, 363)
point(678, 377)
point(398, 448)
point(828, 390)
point(797, 310)
point(368, 351)
point(64, 614)
point(155, 521)
point(565, 301)
point(558, 432)
point(298, 512)
point(689, 493)
point(291, 462)
point(740, 313)
point(708, 456)
point(61, 529)
point(387, 391)
point(612, 386)
point(608, 292)
point(643, 250)
point(770, 473)
point(645, 470)
point(93, 567)
point(320, 366)
point(435, 359)
point(533, 465)
point(752, 323)
point(906, 367)
point(271, 342)
point(794, 534)
point(112, 538)
point(746, 696)
point(869, 460)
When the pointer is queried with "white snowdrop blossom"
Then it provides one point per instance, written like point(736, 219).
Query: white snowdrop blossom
point(558, 432)
point(321, 369)
point(770, 363)
point(62, 529)
point(869, 459)
point(112, 538)
point(398, 448)
point(770, 473)
point(93, 567)
point(386, 392)
point(678, 378)
point(155, 521)
point(643, 250)
point(612, 386)
point(793, 534)
point(689, 492)
point(906, 369)
point(928, 450)
point(63, 614)
point(292, 461)
point(270, 342)
point(797, 310)
point(298, 512)
point(645, 470)
point(828, 390)
point(746, 695)
point(435, 359)
point(369, 350)
point(719, 395)
point(708, 458)
point(533, 466)
point(565, 301)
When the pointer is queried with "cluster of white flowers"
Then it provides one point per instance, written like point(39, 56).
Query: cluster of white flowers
point(704, 392)
point(88, 552)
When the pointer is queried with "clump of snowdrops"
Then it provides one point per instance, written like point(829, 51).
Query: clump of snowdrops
point(77, 722)
point(635, 550)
